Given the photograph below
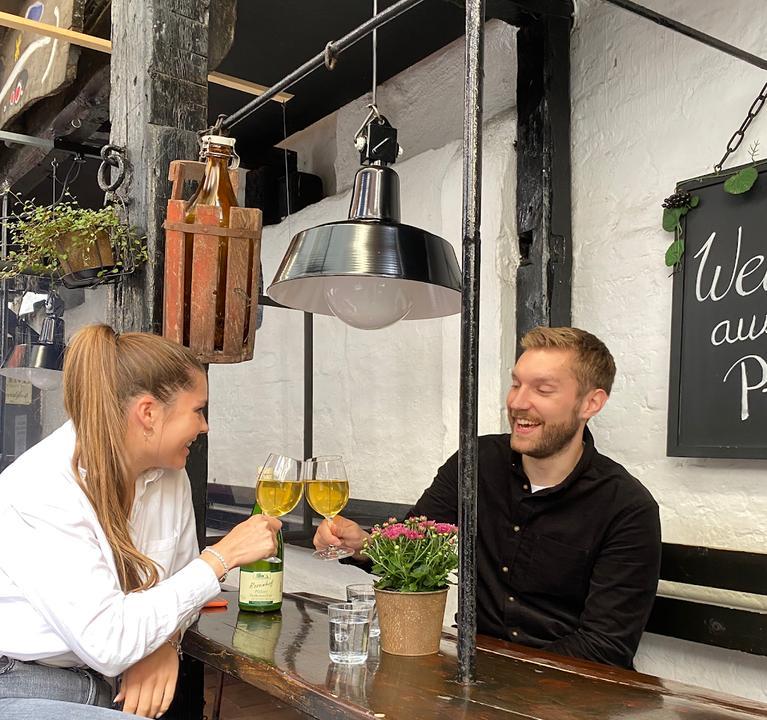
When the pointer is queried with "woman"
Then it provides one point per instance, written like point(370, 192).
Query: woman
point(99, 569)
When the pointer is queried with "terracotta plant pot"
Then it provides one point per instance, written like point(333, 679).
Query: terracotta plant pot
point(411, 622)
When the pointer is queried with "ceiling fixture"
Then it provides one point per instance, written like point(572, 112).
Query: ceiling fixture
point(370, 270)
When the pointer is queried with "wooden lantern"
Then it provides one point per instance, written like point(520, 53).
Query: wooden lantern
point(211, 275)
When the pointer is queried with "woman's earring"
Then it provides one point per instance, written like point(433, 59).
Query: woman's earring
point(148, 434)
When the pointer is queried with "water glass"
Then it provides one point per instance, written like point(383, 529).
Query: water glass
point(365, 593)
point(349, 625)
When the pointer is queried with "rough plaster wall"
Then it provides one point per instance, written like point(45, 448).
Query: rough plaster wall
point(387, 399)
point(650, 108)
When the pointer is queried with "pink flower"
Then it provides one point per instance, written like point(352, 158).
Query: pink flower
point(445, 528)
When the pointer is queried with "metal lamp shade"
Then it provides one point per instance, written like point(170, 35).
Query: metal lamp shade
point(414, 261)
point(412, 272)
point(37, 363)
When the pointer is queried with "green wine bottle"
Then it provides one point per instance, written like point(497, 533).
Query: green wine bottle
point(261, 582)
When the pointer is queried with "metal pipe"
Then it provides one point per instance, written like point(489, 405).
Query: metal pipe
point(333, 49)
point(467, 453)
point(19, 139)
point(690, 32)
point(308, 405)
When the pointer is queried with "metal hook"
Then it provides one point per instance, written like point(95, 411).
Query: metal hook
point(331, 56)
point(373, 114)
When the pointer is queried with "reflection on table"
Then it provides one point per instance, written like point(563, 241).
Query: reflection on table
point(287, 656)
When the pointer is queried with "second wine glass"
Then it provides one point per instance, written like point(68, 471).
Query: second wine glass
point(327, 491)
point(279, 488)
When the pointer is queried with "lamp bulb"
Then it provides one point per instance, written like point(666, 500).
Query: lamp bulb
point(367, 303)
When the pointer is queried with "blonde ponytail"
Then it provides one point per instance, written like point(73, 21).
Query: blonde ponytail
point(102, 372)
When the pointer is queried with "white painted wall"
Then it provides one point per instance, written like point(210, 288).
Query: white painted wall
point(649, 108)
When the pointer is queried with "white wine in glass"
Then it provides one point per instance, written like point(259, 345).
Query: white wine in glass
point(279, 488)
point(327, 491)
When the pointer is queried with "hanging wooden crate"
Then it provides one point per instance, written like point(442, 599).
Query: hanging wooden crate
point(211, 275)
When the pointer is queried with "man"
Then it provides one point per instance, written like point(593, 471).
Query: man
point(568, 543)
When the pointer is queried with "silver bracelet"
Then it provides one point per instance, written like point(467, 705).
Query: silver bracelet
point(216, 554)
point(176, 645)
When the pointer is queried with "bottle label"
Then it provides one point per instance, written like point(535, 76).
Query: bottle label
point(260, 587)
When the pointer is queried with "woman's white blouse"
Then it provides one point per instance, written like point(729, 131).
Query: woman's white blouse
point(60, 598)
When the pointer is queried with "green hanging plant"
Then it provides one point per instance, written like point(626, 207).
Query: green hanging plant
point(65, 239)
point(742, 181)
point(675, 207)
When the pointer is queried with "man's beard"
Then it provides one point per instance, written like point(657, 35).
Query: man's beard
point(553, 438)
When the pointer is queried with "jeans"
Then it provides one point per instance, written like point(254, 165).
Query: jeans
point(34, 709)
point(72, 685)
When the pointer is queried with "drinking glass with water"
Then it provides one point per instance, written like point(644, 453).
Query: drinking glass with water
point(349, 625)
point(363, 592)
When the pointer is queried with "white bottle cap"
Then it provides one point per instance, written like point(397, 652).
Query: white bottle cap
point(218, 140)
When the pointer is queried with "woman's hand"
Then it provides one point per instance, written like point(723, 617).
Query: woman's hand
point(147, 687)
point(254, 539)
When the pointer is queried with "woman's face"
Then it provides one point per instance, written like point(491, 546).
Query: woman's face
point(178, 425)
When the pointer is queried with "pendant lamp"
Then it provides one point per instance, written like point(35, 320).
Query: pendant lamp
point(370, 270)
point(41, 362)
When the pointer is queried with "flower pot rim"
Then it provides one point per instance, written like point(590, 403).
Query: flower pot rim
point(412, 592)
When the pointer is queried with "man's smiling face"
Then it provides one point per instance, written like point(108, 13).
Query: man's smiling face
point(545, 403)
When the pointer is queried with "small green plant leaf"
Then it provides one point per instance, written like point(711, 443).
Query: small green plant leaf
point(741, 182)
point(671, 218)
point(674, 252)
point(694, 201)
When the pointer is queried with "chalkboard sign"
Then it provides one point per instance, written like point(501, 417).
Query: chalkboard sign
point(718, 378)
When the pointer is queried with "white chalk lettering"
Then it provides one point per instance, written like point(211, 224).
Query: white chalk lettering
point(725, 335)
point(717, 271)
point(745, 272)
point(748, 385)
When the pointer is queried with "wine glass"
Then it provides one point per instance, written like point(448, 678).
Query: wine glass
point(279, 488)
point(327, 491)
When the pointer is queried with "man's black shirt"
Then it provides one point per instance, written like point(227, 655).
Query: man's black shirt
point(573, 568)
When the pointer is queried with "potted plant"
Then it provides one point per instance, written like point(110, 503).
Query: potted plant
point(414, 560)
point(82, 246)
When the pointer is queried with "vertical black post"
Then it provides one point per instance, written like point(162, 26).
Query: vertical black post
point(308, 406)
point(544, 276)
point(467, 454)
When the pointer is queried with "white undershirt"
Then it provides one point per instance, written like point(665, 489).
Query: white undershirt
point(536, 488)
point(60, 598)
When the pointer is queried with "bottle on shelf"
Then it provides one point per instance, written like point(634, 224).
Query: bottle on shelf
point(261, 582)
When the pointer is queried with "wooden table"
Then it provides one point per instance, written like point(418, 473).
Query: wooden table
point(287, 656)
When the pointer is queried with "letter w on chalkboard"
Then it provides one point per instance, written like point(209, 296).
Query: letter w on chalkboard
point(718, 376)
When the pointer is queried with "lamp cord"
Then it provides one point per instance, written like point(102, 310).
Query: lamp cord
point(285, 156)
point(375, 54)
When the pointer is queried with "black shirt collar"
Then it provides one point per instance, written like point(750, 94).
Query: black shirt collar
point(589, 450)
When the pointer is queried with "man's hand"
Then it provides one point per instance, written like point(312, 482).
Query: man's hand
point(340, 531)
point(147, 688)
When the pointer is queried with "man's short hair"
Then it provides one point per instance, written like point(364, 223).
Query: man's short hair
point(594, 365)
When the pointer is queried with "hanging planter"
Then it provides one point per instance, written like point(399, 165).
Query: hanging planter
point(80, 246)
